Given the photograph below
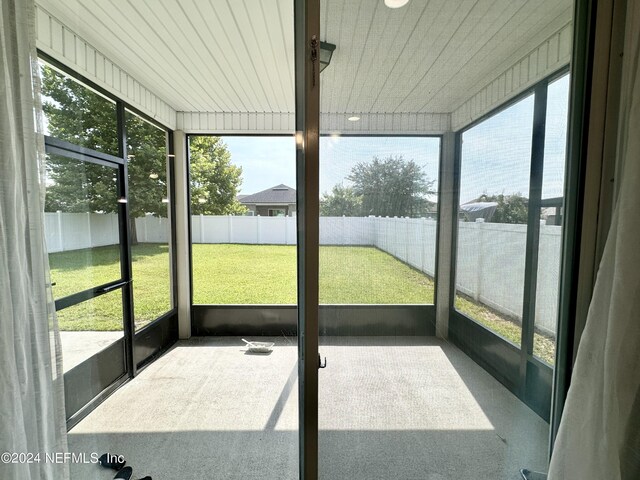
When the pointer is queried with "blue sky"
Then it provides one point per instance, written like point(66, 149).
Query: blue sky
point(269, 161)
point(495, 154)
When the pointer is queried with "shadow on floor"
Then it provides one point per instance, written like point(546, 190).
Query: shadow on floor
point(355, 455)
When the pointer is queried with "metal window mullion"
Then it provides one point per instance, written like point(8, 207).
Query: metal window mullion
point(533, 230)
point(171, 216)
point(457, 167)
point(307, 82)
point(125, 242)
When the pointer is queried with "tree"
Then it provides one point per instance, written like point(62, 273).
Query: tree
point(511, 208)
point(80, 116)
point(341, 201)
point(392, 187)
point(214, 179)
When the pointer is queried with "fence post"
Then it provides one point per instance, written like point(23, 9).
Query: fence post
point(480, 227)
point(201, 228)
point(344, 229)
point(89, 229)
point(60, 235)
point(230, 230)
point(422, 243)
point(407, 226)
point(258, 230)
point(286, 230)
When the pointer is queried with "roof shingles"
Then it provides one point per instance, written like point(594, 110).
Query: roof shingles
point(274, 195)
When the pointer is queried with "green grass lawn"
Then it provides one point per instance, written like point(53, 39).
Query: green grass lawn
point(251, 274)
point(78, 270)
point(266, 274)
point(543, 347)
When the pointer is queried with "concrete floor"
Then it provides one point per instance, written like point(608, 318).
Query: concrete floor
point(78, 346)
point(392, 407)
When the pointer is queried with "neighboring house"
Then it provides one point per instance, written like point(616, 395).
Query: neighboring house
point(278, 201)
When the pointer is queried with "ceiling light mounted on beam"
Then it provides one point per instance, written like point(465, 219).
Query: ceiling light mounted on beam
point(395, 3)
point(354, 118)
point(326, 52)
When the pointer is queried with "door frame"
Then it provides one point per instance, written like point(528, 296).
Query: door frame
point(88, 383)
point(146, 344)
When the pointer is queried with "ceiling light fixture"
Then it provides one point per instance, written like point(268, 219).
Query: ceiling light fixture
point(355, 118)
point(395, 3)
point(326, 52)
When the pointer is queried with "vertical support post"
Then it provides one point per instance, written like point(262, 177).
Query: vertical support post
point(447, 211)
point(533, 232)
point(307, 69)
point(183, 250)
point(126, 268)
point(201, 219)
point(171, 217)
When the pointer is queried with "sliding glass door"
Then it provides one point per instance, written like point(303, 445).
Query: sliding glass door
point(85, 218)
point(108, 224)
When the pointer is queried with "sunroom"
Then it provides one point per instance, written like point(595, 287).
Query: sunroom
point(335, 239)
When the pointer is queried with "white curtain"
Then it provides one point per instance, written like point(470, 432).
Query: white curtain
point(599, 436)
point(32, 418)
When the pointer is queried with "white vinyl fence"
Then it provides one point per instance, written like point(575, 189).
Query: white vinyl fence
point(490, 263)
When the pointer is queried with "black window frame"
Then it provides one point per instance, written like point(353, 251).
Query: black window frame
point(141, 347)
point(527, 376)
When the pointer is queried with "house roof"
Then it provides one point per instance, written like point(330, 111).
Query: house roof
point(274, 195)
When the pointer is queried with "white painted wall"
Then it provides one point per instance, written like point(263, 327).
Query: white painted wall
point(490, 262)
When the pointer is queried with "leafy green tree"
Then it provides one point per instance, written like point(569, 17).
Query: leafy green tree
point(511, 208)
point(80, 116)
point(214, 179)
point(392, 187)
point(341, 201)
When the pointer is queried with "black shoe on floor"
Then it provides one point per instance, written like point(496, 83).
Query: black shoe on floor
point(124, 474)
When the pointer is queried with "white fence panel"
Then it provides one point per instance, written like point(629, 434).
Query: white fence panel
point(548, 277)
point(243, 229)
point(104, 229)
point(212, 229)
point(152, 229)
point(346, 231)
point(502, 250)
point(52, 232)
point(273, 230)
point(429, 237)
point(490, 257)
point(468, 259)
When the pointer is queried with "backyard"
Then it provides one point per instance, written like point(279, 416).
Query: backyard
point(250, 274)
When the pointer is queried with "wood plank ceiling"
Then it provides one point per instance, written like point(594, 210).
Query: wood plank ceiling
point(237, 55)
